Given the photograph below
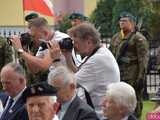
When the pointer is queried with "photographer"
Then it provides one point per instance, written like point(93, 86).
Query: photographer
point(41, 62)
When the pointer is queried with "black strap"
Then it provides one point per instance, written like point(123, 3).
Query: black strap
point(87, 95)
point(94, 51)
point(124, 48)
point(88, 98)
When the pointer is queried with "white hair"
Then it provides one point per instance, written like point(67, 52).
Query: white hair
point(61, 71)
point(123, 94)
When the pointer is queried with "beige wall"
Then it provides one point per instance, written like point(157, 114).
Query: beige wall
point(89, 6)
point(11, 11)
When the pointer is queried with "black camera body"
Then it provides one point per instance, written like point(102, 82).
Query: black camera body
point(66, 44)
point(25, 39)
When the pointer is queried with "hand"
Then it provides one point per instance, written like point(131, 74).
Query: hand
point(16, 42)
point(54, 50)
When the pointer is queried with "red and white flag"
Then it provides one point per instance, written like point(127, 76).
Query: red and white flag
point(44, 7)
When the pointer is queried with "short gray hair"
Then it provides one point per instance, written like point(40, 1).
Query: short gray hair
point(85, 30)
point(123, 94)
point(61, 71)
point(17, 68)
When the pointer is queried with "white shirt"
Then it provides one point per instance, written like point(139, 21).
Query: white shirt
point(96, 74)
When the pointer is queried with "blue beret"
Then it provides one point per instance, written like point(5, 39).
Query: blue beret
point(31, 16)
point(40, 89)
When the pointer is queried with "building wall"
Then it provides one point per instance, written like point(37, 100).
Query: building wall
point(12, 14)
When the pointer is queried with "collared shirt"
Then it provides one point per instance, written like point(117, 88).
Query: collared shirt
point(17, 97)
point(64, 108)
point(55, 117)
point(14, 99)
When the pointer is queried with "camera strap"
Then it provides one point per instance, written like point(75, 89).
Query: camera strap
point(87, 95)
point(94, 51)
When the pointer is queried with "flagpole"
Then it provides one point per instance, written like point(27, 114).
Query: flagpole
point(23, 14)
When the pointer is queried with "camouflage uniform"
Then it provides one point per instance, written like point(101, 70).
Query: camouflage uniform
point(30, 76)
point(133, 62)
point(5, 53)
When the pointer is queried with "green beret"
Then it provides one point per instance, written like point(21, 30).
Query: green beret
point(31, 16)
point(39, 89)
point(129, 15)
point(77, 16)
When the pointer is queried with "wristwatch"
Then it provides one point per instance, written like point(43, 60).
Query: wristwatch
point(20, 51)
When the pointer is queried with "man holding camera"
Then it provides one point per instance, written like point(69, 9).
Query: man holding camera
point(41, 62)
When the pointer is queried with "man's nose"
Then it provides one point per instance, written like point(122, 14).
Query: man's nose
point(35, 108)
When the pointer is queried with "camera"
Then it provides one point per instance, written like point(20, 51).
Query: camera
point(25, 39)
point(65, 43)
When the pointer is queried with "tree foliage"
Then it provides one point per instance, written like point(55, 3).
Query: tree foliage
point(105, 16)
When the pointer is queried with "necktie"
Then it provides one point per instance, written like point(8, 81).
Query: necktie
point(4, 114)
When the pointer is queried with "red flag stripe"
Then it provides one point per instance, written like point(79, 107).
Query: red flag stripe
point(38, 6)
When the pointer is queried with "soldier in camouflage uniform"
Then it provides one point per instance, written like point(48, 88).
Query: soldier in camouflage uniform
point(5, 53)
point(130, 49)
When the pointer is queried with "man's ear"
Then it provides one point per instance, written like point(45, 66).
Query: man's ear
point(73, 86)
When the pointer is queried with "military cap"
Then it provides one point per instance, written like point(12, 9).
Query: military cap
point(129, 15)
point(39, 89)
point(31, 16)
point(77, 16)
point(157, 96)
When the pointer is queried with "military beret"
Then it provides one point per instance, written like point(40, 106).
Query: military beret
point(31, 16)
point(77, 16)
point(157, 96)
point(39, 89)
point(129, 15)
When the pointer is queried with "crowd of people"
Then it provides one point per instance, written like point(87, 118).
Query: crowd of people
point(73, 76)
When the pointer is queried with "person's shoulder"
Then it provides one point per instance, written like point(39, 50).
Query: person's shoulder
point(2, 40)
point(118, 34)
point(139, 37)
point(58, 36)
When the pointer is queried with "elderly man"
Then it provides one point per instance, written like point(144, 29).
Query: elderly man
point(130, 48)
point(72, 107)
point(14, 83)
point(120, 102)
point(99, 68)
point(41, 102)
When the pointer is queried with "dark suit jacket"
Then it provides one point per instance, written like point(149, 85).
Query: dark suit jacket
point(132, 117)
point(79, 110)
point(17, 112)
point(3, 98)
